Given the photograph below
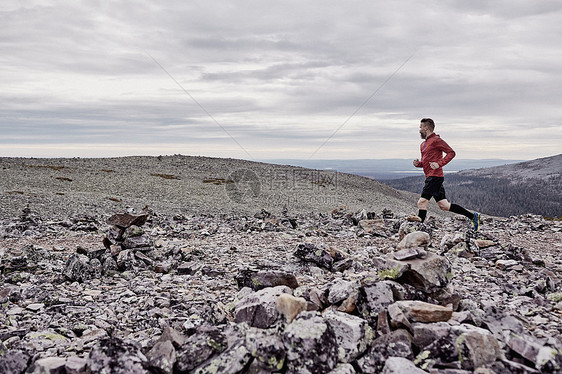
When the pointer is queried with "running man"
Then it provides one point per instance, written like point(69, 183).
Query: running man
point(432, 162)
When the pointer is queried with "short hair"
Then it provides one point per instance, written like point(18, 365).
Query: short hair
point(429, 123)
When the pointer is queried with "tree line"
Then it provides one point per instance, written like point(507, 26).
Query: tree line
point(497, 196)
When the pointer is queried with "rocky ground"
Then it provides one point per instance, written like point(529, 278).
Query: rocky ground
point(350, 291)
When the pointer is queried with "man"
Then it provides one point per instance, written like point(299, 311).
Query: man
point(432, 162)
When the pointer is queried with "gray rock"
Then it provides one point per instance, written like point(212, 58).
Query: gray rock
point(397, 343)
point(353, 334)
point(374, 298)
point(258, 280)
point(343, 369)
point(207, 342)
point(340, 290)
point(310, 344)
point(414, 239)
point(267, 348)
point(113, 355)
point(429, 275)
point(48, 365)
point(259, 309)
point(78, 268)
point(162, 357)
point(400, 365)
point(14, 361)
point(231, 361)
point(76, 365)
point(308, 252)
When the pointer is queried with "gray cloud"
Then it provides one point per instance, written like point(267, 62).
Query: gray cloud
point(280, 75)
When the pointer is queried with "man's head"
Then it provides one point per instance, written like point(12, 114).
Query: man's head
point(426, 127)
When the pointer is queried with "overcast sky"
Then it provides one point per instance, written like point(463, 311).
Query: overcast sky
point(280, 79)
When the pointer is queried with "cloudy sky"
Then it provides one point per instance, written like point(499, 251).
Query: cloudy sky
point(279, 79)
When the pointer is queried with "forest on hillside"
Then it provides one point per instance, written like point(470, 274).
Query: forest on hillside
point(496, 196)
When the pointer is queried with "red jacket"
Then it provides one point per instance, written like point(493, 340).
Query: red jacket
point(432, 151)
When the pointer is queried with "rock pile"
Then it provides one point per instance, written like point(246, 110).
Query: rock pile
point(346, 293)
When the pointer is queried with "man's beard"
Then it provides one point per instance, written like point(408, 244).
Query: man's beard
point(422, 135)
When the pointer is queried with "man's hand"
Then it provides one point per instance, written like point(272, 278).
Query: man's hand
point(417, 163)
point(434, 165)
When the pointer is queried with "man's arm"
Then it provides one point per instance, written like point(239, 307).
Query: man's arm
point(449, 153)
point(418, 163)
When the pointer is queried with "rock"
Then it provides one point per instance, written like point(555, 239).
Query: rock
point(373, 299)
point(375, 227)
point(124, 220)
point(409, 253)
point(290, 306)
point(259, 309)
point(395, 344)
point(484, 243)
point(343, 369)
point(14, 361)
point(125, 260)
point(429, 274)
point(310, 344)
point(258, 280)
point(137, 242)
point(477, 348)
point(231, 361)
point(419, 311)
point(267, 349)
point(78, 268)
point(400, 365)
point(189, 267)
point(389, 268)
point(340, 290)
point(162, 357)
point(113, 355)
point(506, 264)
point(173, 336)
point(48, 365)
point(308, 252)
point(76, 365)
point(427, 333)
point(414, 239)
point(205, 343)
point(353, 334)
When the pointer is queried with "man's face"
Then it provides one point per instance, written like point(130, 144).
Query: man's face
point(423, 131)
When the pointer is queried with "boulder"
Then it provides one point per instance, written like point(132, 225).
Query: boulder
point(162, 357)
point(14, 361)
point(353, 334)
point(343, 369)
point(113, 355)
point(375, 227)
point(419, 311)
point(397, 343)
point(258, 280)
point(124, 220)
point(400, 365)
point(259, 309)
point(374, 298)
point(78, 268)
point(290, 306)
point(308, 252)
point(206, 342)
point(48, 365)
point(429, 274)
point(414, 239)
point(231, 361)
point(310, 344)
point(267, 348)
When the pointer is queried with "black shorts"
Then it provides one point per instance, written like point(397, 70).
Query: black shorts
point(433, 188)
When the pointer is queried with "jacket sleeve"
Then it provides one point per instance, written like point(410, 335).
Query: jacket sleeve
point(449, 153)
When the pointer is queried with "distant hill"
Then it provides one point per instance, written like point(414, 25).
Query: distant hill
point(185, 185)
point(526, 187)
point(382, 169)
